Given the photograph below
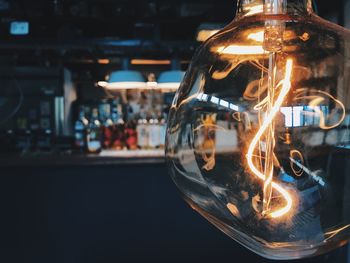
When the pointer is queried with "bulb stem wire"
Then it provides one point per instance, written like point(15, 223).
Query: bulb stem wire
point(269, 135)
point(285, 86)
point(273, 41)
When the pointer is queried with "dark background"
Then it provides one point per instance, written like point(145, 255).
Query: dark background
point(113, 213)
point(76, 34)
point(89, 212)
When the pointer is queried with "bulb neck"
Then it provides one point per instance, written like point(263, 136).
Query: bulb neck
point(273, 7)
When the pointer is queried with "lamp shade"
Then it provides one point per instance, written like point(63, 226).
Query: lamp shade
point(170, 79)
point(124, 79)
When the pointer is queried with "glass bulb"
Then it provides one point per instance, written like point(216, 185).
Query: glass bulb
point(258, 138)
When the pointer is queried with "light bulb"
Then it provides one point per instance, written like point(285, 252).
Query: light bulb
point(258, 138)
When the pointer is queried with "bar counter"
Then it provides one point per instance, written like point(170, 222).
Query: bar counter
point(103, 208)
point(106, 157)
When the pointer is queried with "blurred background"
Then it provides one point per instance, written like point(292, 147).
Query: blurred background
point(85, 90)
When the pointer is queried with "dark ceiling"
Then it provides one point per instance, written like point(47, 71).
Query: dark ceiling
point(77, 19)
point(121, 19)
point(87, 30)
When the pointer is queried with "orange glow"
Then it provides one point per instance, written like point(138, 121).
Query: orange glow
point(317, 101)
point(241, 50)
point(296, 153)
point(233, 209)
point(285, 87)
point(150, 62)
point(333, 233)
point(257, 36)
point(305, 37)
point(208, 146)
point(254, 9)
point(103, 61)
point(203, 35)
point(288, 35)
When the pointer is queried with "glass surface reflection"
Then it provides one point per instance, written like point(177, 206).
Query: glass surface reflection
point(258, 135)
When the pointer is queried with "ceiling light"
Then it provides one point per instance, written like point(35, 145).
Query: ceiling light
point(170, 80)
point(124, 79)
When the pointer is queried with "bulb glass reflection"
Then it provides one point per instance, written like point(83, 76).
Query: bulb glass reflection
point(258, 137)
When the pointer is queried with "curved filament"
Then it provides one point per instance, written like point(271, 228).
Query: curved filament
point(323, 125)
point(286, 85)
point(316, 100)
point(296, 155)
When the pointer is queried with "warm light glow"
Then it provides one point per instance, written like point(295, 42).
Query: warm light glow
point(166, 87)
point(261, 110)
point(150, 62)
point(241, 50)
point(305, 37)
point(103, 61)
point(138, 85)
point(122, 85)
point(169, 85)
point(316, 100)
point(151, 84)
point(254, 9)
point(288, 35)
point(205, 34)
point(313, 104)
point(102, 84)
point(333, 233)
point(296, 157)
point(257, 36)
point(286, 85)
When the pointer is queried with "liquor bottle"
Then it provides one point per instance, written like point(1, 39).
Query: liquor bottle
point(142, 132)
point(94, 133)
point(107, 133)
point(80, 127)
point(104, 110)
point(118, 138)
point(131, 135)
point(154, 134)
point(107, 124)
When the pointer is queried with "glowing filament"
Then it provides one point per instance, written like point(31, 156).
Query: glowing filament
point(333, 233)
point(286, 85)
point(317, 101)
